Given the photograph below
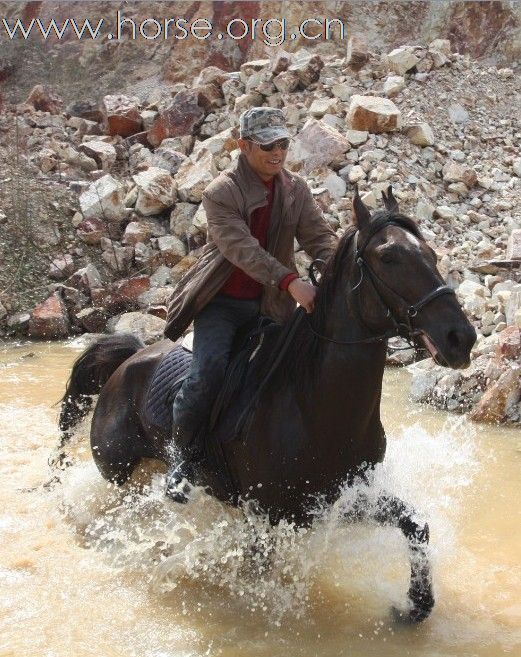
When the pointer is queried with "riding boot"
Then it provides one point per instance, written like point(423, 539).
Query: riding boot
point(180, 474)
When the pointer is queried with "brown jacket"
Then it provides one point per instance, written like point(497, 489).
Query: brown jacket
point(229, 201)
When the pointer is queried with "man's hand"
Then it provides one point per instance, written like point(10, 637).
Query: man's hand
point(303, 293)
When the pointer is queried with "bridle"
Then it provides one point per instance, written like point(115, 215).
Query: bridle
point(403, 328)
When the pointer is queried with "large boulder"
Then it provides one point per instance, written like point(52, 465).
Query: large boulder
point(103, 153)
point(42, 98)
point(374, 114)
point(400, 60)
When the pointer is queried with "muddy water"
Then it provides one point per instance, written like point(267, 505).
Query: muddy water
point(89, 570)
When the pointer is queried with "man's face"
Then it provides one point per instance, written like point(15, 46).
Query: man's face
point(265, 163)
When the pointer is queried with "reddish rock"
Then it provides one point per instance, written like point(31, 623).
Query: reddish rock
point(44, 100)
point(357, 54)
point(121, 115)
point(499, 398)
point(182, 117)
point(49, 319)
point(129, 289)
point(510, 343)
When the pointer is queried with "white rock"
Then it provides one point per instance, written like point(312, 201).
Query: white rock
point(356, 174)
point(156, 191)
point(393, 85)
point(192, 178)
point(104, 199)
point(336, 186)
point(357, 137)
point(321, 106)
point(147, 327)
point(400, 60)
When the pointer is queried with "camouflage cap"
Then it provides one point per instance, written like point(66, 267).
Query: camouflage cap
point(263, 124)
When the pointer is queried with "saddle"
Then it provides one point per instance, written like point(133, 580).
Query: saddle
point(174, 367)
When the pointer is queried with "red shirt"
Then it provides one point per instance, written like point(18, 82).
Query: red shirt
point(239, 284)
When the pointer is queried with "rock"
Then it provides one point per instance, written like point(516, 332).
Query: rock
point(498, 400)
point(211, 74)
point(137, 231)
point(181, 268)
point(102, 153)
point(516, 167)
point(400, 60)
point(119, 258)
point(156, 191)
point(455, 172)
point(91, 231)
point(121, 115)
point(458, 114)
point(307, 67)
point(61, 267)
point(510, 343)
point(104, 199)
point(421, 135)
point(423, 382)
point(246, 101)
point(43, 99)
point(167, 158)
point(373, 114)
point(514, 245)
point(19, 322)
point(357, 137)
point(393, 85)
point(172, 249)
point(356, 174)
point(192, 178)
point(513, 304)
point(182, 117)
point(93, 320)
point(181, 219)
point(49, 319)
point(156, 296)
point(335, 185)
point(315, 145)
point(342, 91)
point(441, 45)
point(222, 142)
point(147, 327)
point(85, 279)
point(321, 106)
point(357, 54)
point(3, 312)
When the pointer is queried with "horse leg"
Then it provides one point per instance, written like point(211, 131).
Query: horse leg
point(391, 511)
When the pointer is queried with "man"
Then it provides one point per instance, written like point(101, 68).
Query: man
point(254, 211)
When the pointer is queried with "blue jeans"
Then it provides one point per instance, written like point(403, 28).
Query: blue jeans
point(215, 328)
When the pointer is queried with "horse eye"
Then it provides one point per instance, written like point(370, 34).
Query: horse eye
point(388, 258)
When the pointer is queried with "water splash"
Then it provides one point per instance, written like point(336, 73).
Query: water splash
point(275, 569)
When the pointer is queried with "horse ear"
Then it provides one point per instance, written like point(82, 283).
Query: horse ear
point(390, 202)
point(361, 215)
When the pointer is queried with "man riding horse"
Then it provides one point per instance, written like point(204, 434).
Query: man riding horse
point(254, 210)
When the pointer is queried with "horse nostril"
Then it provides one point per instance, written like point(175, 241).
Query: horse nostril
point(454, 339)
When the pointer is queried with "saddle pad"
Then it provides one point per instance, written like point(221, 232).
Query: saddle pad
point(166, 381)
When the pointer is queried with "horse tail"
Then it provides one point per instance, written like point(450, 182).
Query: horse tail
point(89, 374)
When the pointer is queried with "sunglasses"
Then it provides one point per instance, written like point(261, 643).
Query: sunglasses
point(281, 143)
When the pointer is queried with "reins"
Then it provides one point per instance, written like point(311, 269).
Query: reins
point(399, 327)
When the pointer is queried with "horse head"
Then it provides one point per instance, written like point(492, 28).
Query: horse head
point(400, 288)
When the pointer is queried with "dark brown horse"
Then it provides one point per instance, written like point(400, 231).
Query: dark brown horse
point(316, 425)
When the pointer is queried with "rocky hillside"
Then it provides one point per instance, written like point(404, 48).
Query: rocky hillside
point(88, 69)
point(100, 202)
